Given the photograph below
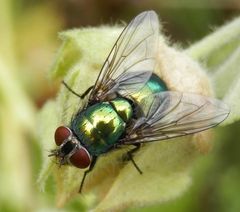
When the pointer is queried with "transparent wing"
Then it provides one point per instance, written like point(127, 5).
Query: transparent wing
point(131, 60)
point(171, 114)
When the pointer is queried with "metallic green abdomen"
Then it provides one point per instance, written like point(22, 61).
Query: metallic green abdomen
point(154, 85)
point(100, 126)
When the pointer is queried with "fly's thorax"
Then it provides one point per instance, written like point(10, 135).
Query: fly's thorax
point(99, 127)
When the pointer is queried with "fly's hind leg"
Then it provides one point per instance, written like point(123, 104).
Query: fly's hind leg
point(81, 96)
point(130, 157)
point(93, 163)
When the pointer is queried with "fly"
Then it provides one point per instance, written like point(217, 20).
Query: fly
point(130, 105)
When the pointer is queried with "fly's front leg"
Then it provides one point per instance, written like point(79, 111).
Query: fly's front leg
point(94, 160)
point(130, 157)
point(81, 96)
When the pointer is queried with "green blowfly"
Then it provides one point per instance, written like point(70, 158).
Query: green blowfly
point(130, 105)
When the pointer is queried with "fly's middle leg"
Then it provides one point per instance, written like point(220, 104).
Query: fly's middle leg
point(130, 157)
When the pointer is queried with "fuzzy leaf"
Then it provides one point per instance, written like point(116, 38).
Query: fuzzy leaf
point(233, 98)
point(49, 115)
point(214, 49)
point(220, 52)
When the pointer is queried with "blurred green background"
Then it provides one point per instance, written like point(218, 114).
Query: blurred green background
point(28, 43)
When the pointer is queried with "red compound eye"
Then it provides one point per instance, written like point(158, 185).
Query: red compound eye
point(81, 158)
point(61, 134)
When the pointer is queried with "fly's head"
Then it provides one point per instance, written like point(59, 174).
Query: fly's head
point(69, 150)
